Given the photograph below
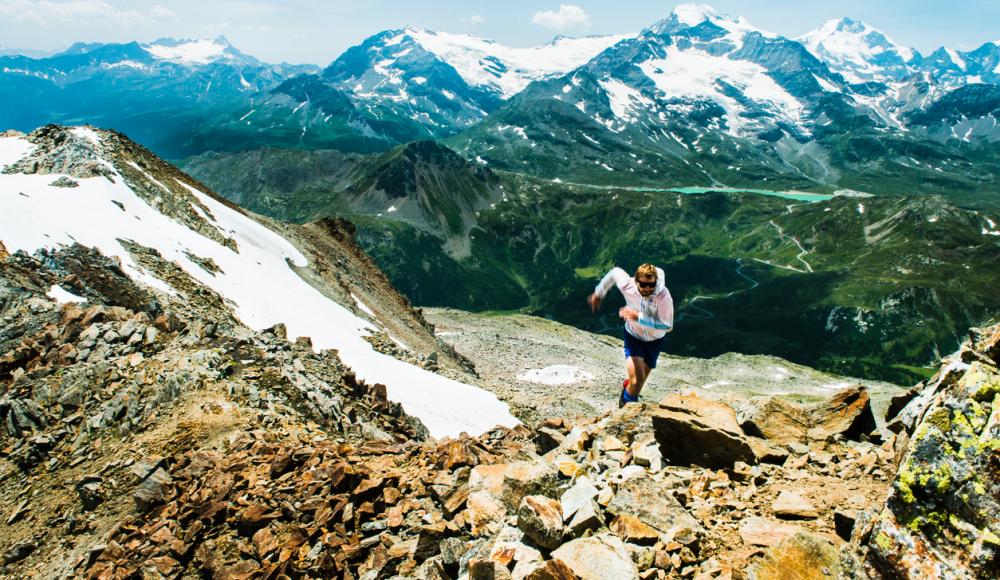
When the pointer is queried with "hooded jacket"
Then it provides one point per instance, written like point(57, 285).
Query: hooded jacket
point(656, 312)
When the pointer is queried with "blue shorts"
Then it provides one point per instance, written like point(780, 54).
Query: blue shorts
point(649, 351)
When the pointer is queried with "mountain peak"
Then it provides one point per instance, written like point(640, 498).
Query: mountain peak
point(686, 16)
point(862, 51)
point(695, 14)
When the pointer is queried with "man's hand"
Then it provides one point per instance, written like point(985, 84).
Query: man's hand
point(628, 313)
point(595, 302)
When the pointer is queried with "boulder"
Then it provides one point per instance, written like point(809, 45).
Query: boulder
point(578, 496)
point(767, 452)
point(848, 413)
point(775, 419)
point(693, 430)
point(540, 518)
point(587, 517)
point(805, 556)
point(511, 482)
point(784, 423)
point(486, 513)
point(483, 569)
point(629, 423)
point(645, 499)
point(153, 490)
point(597, 558)
point(632, 530)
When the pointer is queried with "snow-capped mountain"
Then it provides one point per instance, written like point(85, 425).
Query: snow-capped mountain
point(63, 186)
point(693, 73)
point(952, 67)
point(162, 93)
point(450, 81)
point(860, 52)
point(705, 99)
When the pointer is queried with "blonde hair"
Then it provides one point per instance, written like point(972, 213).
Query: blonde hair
point(646, 270)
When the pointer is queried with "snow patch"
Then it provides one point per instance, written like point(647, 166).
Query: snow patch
point(62, 296)
point(622, 97)
point(361, 305)
point(87, 133)
point(696, 74)
point(13, 149)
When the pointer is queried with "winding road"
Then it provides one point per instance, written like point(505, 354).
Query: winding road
point(686, 310)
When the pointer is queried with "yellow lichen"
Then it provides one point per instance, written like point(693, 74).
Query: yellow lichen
point(941, 419)
point(883, 541)
point(905, 482)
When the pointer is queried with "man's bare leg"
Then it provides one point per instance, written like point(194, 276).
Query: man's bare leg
point(645, 375)
point(637, 371)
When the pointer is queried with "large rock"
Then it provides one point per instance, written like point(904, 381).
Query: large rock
point(848, 413)
point(780, 421)
point(777, 420)
point(693, 430)
point(629, 423)
point(792, 506)
point(581, 494)
point(597, 558)
point(645, 499)
point(757, 531)
point(942, 517)
point(486, 513)
point(540, 518)
point(511, 482)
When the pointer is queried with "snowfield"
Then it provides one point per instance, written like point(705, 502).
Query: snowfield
point(257, 280)
point(520, 66)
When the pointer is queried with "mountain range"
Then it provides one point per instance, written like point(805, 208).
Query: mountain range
point(699, 97)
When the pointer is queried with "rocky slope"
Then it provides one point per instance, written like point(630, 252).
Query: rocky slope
point(192, 445)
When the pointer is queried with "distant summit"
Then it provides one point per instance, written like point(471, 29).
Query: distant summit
point(859, 52)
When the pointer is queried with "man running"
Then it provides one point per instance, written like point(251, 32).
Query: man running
point(648, 314)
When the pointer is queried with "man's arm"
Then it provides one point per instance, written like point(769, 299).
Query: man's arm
point(616, 276)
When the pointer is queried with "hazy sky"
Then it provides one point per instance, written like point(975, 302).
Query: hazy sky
point(316, 31)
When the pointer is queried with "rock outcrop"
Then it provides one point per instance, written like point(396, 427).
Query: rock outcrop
point(941, 519)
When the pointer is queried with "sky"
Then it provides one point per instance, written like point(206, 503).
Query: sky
point(317, 31)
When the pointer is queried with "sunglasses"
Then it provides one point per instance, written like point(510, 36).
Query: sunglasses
point(646, 284)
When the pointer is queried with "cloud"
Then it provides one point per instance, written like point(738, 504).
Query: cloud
point(476, 19)
point(80, 11)
point(567, 17)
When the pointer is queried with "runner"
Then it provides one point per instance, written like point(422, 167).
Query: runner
point(648, 314)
